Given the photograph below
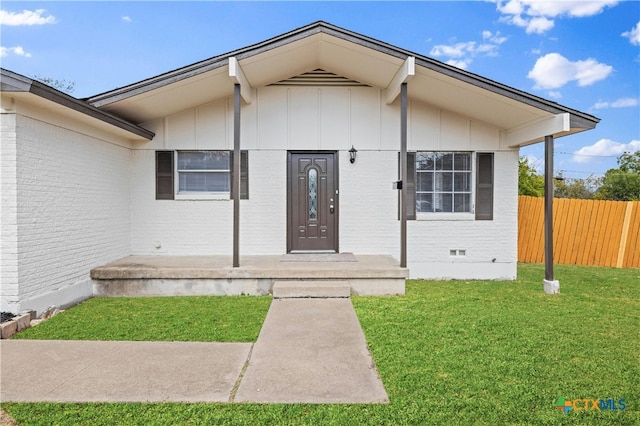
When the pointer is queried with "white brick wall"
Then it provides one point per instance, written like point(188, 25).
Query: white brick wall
point(8, 215)
point(430, 241)
point(72, 210)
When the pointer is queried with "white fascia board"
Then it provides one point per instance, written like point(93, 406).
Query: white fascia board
point(238, 77)
point(404, 74)
point(535, 132)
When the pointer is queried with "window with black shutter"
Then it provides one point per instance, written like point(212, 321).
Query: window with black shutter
point(244, 175)
point(484, 186)
point(164, 175)
point(410, 185)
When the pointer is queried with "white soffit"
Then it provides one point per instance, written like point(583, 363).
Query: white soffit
point(471, 101)
point(175, 97)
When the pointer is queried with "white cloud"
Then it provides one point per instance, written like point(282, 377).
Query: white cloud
point(554, 94)
point(536, 16)
point(604, 148)
point(553, 71)
point(18, 50)
point(127, 19)
point(633, 35)
point(620, 103)
point(461, 63)
point(26, 17)
point(461, 54)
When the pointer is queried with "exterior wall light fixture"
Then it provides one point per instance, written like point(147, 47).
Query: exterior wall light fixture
point(352, 154)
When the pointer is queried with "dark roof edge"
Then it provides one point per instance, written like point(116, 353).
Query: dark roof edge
point(14, 82)
point(324, 27)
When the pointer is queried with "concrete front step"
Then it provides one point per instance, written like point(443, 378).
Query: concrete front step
point(317, 289)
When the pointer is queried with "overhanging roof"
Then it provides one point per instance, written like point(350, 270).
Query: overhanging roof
point(49, 98)
point(324, 46)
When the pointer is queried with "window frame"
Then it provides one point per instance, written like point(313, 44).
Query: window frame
point(449, 215)
point(201, 195)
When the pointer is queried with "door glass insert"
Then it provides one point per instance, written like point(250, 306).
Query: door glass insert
point(313, 194)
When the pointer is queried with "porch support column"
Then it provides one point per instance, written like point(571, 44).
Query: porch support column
point(403, 171)
point(235, 193)
point(551, 286)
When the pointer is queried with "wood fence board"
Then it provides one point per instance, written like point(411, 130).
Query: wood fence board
point(599, 233)
point(538, 241)
point(590, 244)
point(617, 221)
point(586, 232)
point(632, 250)
point(604, 235)
point(582, 232)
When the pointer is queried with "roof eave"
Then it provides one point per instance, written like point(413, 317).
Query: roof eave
point(586, 121)
point(14, 82)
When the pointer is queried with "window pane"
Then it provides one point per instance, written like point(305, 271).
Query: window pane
point(313, 194)
point(445, 161)
point(462, 182)
point(425, 181)
point(443, 181)
point(442, 202)
point(462, 202)
point(462, 161)
point(425, 161)
point(203, 182)
point(424, 202)
point(203, 160)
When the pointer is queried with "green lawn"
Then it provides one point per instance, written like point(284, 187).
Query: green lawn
point(194, 319)
point(449, 352)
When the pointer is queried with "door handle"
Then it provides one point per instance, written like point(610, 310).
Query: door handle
point(331, 209)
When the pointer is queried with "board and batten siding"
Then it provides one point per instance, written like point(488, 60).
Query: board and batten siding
point(284, 118)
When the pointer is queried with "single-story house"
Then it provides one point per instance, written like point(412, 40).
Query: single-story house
point(307, 142)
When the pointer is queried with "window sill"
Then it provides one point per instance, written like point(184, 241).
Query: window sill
point(202, 197)
point(446, 217)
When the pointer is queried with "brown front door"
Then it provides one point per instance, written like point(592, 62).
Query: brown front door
point(312, 202)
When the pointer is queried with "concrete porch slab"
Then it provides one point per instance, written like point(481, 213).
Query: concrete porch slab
point(214, 275)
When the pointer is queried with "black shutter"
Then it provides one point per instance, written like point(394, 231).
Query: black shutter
point(244, 174)
point(164, 175)
point(484, 186)
point(410, 185)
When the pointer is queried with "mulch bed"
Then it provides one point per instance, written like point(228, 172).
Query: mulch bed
point(6, 316)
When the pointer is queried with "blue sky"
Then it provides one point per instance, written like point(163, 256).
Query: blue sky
point(582, 54)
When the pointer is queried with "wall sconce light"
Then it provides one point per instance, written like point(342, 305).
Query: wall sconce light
point(352, 154)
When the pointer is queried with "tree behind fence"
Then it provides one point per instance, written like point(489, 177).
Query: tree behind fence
point(586, 232)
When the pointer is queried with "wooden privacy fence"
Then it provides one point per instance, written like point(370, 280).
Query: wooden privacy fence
point(585, 232)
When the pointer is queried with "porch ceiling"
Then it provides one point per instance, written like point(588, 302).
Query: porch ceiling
point(344, 53)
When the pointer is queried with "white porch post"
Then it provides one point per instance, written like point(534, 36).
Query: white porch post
point(551, 286)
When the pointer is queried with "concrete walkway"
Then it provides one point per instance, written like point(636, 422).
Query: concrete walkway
point(309, 350)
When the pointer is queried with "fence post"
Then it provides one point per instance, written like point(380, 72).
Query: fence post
point(625, 234)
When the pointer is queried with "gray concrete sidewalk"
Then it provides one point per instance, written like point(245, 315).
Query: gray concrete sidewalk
point(91, 371)
point(309, 350)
